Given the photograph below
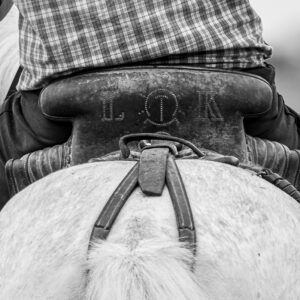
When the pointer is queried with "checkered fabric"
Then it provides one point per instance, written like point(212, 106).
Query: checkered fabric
point(58, 37)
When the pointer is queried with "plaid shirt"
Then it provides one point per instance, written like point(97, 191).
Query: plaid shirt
point(58, 37)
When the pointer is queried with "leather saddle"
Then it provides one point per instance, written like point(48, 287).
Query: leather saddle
point(204, 106)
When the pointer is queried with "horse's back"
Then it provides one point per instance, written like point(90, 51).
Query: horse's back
point(247, 231)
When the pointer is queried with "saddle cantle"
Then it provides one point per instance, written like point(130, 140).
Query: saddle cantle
point(205, 106)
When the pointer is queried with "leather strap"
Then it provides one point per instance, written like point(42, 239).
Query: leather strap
point(114, 205)
point(152, 171)
point(281, 183)
point(5, 8)
point(181, 204)
point(156, 167)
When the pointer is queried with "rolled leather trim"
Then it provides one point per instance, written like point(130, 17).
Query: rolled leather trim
point(67, 98)
point(276, 157)
point(33, 166)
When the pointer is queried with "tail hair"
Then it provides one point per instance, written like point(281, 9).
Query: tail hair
point(153, 270)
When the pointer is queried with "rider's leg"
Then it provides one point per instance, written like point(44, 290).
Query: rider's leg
point(24, 129)
point(280, 123)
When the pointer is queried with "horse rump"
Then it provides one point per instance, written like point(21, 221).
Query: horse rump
point(152, 269)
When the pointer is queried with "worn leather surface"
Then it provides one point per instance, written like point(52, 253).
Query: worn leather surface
point(205, 106)
point(152, 170)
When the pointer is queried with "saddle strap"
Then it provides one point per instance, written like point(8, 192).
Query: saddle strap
point(162, 170)
point(181, 204)
point(152, 171)
point(114, 205)
point(281, 183)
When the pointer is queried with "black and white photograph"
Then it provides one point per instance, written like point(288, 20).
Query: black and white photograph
point(149, 150)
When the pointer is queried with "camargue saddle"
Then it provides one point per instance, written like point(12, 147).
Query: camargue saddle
point(204, 106)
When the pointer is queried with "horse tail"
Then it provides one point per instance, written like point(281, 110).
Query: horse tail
point(152, 269)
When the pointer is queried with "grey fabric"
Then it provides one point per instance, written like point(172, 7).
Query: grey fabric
point(280, 123)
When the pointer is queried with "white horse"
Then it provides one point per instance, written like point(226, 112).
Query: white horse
point(9, 51)
point(248, 239)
